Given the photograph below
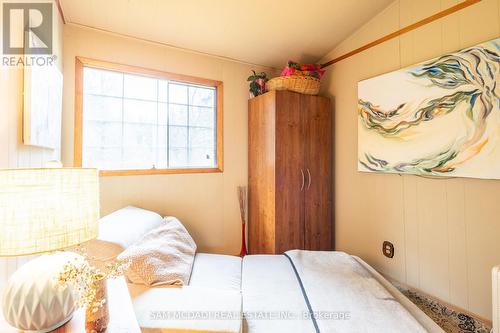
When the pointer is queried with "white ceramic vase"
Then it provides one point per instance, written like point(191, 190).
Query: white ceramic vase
point(32, 299)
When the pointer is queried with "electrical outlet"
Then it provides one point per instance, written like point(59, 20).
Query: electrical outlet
point(388, 249)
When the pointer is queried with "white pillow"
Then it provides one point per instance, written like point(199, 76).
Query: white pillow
point(120, 229)
point(164, 256)
point(127, 225)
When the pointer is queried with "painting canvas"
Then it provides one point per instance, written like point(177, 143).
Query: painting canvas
point(437, 118)
point(42, 106)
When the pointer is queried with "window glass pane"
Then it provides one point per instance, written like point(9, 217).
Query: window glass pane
point(178, 93)
point(101, 82)
point(102, 108)
point(136, 111)
point(201, 96)
point(163, 91)
point(201, 157)
point(177, 157)
point(139, 158)
point(140, 87)
point(161, 160)
point(177, 115)
point(162, 114)
point(102, 134)
point(162, 137)
point(139, 136)
point(201, 137)
point(177, 137)
point(102, 158)
point(137, 122)
point(202, 117)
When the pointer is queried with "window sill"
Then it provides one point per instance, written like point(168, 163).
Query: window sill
point(142, 172)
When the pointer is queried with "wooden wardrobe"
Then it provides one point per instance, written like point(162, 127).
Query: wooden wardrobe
point(289, 173)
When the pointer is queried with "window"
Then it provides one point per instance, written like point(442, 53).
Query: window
point(131, 120)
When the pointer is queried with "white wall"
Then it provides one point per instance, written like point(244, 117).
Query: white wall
point(13, 154)
point(206, 203)
point(445, 232)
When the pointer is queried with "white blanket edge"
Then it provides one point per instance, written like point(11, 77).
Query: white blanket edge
point(413, 309)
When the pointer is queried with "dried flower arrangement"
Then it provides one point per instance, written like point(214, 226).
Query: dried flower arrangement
point(85, 278)
point(242, 199)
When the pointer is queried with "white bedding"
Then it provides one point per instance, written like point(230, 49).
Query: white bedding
point(272, 299)
point(415, 311)
point(216, 271)
point(266, 285)
point(335, 281)
point(214, 287)
point(270, 285)
point(188, 309)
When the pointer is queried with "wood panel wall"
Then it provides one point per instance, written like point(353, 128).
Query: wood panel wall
point(215, 223)
point(445, 232)
point(13, 154)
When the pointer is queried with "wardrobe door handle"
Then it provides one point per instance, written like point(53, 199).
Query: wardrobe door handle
point(303, 180)
point(308, 178)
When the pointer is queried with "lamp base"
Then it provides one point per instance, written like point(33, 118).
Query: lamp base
point(33, 301)
point(53, 327)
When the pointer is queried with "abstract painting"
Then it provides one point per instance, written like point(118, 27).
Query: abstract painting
point(438, 118)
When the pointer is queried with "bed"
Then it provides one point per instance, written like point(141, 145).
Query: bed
point(280, 292)
point(299, 291)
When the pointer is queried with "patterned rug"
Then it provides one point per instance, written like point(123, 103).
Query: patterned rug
point(449, 320)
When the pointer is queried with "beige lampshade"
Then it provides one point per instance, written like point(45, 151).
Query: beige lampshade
point(47, 209)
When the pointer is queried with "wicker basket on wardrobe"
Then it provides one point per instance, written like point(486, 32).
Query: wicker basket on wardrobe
point(301, 84)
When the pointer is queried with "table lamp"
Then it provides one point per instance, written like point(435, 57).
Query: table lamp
point(44, 210)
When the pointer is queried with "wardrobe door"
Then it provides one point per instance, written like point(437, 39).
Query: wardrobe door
point(261, 183)
point(290, 173)
point(318, 167)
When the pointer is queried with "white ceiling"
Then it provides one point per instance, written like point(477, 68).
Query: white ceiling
point(264, 32)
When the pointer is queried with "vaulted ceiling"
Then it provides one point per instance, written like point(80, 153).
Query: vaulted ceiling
point(264, 32)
